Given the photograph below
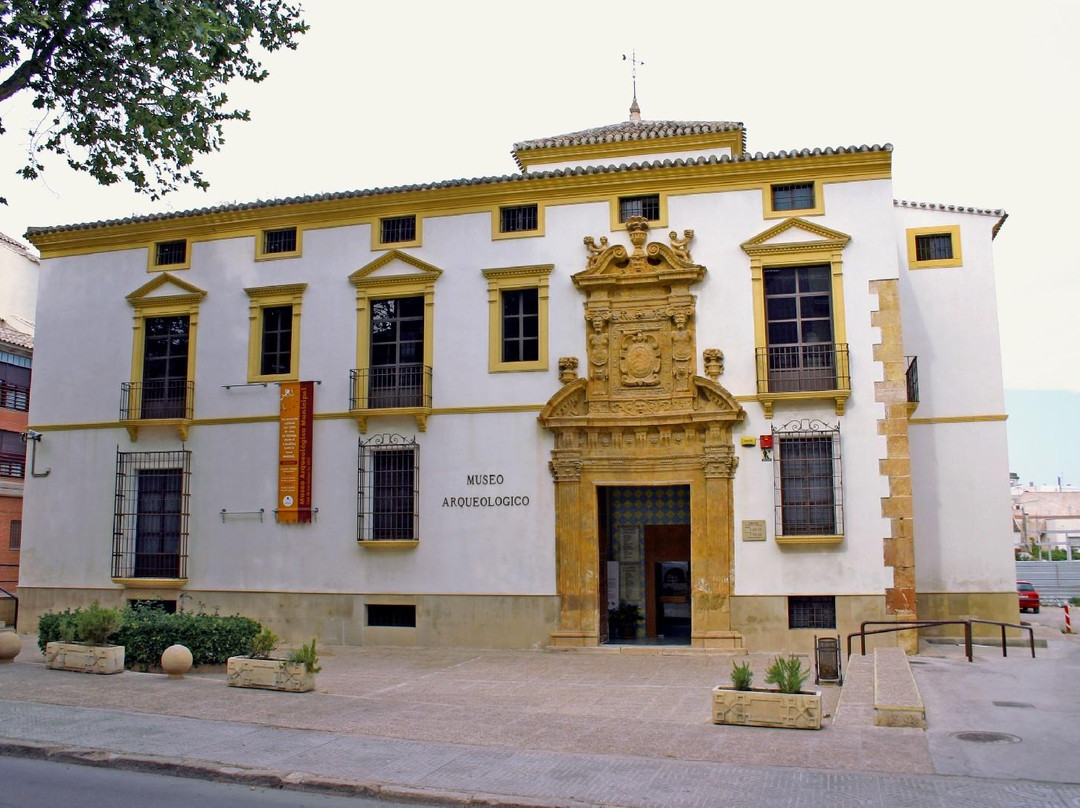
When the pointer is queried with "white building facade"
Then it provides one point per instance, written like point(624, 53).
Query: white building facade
point(650, 368)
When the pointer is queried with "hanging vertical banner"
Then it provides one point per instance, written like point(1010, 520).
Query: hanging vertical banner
point(294, 452)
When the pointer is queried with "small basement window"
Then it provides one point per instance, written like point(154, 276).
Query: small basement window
point(391, 616)
point(812, 612)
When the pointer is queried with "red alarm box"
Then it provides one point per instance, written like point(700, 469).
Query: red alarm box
point(765, 441)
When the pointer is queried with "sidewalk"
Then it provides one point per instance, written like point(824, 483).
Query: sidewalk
point(561, 729)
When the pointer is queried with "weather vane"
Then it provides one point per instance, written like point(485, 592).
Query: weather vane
point(633, 69)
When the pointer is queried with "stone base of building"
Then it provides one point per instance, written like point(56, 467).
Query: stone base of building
point(759, 623)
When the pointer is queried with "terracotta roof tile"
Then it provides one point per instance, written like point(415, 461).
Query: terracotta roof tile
point(18, 338)
point(629, 130)
point(525, 176)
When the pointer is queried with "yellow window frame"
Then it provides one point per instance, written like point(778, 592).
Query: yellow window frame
point(260, 244)
point(376, 232)
point(507, 279)
point(151, 260)
point(613, 203)
point(496, 222)
point(952, 230)
point(262, 298)
point(818, 208)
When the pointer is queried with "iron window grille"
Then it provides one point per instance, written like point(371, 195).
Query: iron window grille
point(397, 229)
point(15, 535)
point(151, 512)
point(387, 498)
point(933, 247)
point(520, 325)
point(391, 615)
point(808, 486)
point(647, 206)
point(812, 612)
point(282, 240)
point(276, 340)
point(12, 454)
point(793, 196)
point(519, 218)
point(167, 253)
point(912, 376)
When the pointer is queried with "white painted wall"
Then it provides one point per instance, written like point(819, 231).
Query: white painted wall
point(18, 286)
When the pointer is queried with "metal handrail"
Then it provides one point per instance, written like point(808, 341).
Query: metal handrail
point(15, 619)
point(862, 633)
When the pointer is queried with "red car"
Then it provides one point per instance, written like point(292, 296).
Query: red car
point(1029, 598)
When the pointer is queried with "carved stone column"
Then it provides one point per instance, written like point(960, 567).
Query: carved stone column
point(576, 553)
point(712, 553)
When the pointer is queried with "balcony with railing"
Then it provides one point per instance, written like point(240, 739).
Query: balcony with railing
point(390, 390)
point(799, 372)
point(157, 402)
point(14, 397)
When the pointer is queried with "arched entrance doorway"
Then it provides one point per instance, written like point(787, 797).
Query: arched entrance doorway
point(642, 419)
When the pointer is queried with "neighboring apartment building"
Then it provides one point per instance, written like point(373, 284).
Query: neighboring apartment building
point(1046, 521)
point(651, 367)
point(18, 296)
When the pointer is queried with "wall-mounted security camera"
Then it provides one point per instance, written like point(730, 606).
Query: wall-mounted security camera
point(30, 434)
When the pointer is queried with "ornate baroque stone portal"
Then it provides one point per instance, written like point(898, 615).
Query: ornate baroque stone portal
point(640, 416)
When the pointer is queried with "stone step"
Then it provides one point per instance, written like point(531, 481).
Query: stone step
point(897, 702)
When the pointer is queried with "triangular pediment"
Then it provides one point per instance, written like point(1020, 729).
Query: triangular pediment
point(163, 289)
point(394, 266)
point(793, 234)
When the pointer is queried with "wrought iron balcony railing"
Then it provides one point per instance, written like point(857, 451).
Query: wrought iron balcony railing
point(14, 397)
point(390, 387)
point(164, 398)
point(803, 368)
point(912, 379)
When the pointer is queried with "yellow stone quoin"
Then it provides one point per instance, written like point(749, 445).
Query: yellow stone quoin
point(641, 416)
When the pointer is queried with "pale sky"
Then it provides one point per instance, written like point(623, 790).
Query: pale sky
point(976, 96)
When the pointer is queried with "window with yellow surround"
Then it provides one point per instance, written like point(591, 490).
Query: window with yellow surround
point(933, 247)
point(274, 332)
point(518, 318)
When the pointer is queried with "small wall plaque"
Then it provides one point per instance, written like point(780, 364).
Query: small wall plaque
point(753, 530)
point(748, 440)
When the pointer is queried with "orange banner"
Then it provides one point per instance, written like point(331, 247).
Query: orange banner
point(294, 452)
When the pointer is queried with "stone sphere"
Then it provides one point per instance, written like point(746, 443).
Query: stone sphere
point(10, 645)
point(176, 661)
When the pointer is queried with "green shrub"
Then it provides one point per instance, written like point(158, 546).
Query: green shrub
point(146, 632)
point(787, 674)
point(1074, 601)
point(95, 625)
point(263, 644)
point(306, 653)
point(741, 675)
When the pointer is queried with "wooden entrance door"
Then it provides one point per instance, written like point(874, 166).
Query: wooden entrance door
point(663, 544)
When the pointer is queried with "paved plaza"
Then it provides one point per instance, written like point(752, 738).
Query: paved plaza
point(568, 728)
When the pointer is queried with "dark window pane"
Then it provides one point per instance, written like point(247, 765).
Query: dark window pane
point(815, 279)
point(816, 331)
point(277, 340)
point(170, 252)
point(815, 306)
point(647, 206)
point(518, 219)
point(521, 325)
point(806, 486)
point(15, 535)
point(279, 241)
point(398, 228)
point(783, 333)
point(795, 196)
point(779, 282)
point(933, 247)
point(781, 308)
point(391, 616)
point(812, 612)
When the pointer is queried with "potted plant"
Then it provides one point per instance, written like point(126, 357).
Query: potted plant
point(294, 674)
point(623, 620)
point(84, 642)
point(786, 706)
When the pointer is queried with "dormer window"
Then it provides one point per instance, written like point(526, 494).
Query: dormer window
point(170, 253)
point(397, 229)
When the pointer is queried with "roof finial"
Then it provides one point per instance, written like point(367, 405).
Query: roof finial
point(635, 110)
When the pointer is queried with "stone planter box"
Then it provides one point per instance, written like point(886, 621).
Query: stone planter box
point(269, 674)
point(73, 656)
point(766, 708)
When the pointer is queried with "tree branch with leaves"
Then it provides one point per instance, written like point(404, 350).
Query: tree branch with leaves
point(134, 89)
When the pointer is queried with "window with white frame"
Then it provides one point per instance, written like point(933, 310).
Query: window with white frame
point(807, 481)
point(387, 496)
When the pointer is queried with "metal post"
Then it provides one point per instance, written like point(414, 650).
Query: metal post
point(967, 641)
point(1004, 645)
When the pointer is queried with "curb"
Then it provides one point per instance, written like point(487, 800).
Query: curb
point(264, 778)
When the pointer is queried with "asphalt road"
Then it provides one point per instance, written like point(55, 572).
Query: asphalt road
point(36, 782)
